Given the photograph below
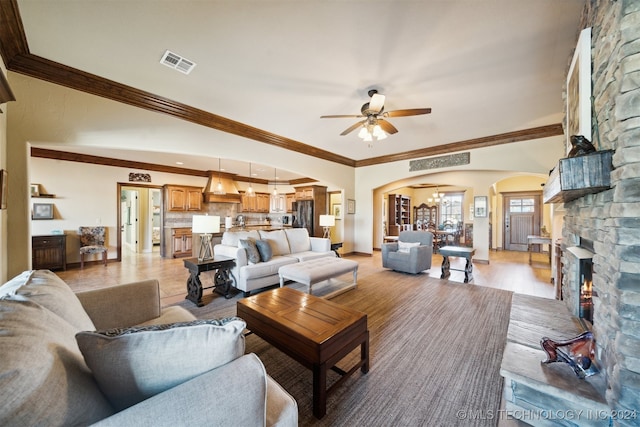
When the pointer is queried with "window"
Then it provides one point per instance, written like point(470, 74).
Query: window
point(451, 208)
point(521, 205)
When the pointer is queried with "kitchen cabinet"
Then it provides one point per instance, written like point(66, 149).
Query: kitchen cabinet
point(258, 203)
point(183, 198)
point(49, 252)
point(304, 193)
point(181, 242)
point(290, 199)
point(278, 203)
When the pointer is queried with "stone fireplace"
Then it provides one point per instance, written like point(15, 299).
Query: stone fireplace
point(611, 219)
point(578, 283)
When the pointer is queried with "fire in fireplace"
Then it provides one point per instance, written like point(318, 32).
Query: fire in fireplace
point(586, 292)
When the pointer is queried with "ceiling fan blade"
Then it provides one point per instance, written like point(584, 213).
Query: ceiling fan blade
point(352, 128)
point(408, 112)
point(342, 116)
point(376, 103)
point(387, 127)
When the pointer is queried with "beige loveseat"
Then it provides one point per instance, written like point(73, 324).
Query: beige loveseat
point(283, 247)
point(169, 370)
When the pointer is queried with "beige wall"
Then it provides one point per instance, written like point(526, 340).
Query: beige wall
point(3, 165)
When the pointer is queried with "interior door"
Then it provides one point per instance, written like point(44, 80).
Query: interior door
point(521, 219)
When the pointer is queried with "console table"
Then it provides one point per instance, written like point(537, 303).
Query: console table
point(459, 251)
point(538, 240)
point(223, 278)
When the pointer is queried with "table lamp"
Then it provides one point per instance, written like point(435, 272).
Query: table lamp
point(205, 225)
point(327, 221)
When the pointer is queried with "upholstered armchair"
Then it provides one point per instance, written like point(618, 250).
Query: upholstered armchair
point(92, 242)
point(411, 254)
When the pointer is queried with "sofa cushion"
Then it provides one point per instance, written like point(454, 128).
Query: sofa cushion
point(264, 248)
point(265, 269)
point(309, 255)
point(298, 240)
point(48, 290)
point(252, 251)
point(231, 238)
point(43, 375)
point(278, 241)
point(405, 247)
point(129, 368)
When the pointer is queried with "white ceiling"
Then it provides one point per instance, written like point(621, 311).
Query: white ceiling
point(485, 67)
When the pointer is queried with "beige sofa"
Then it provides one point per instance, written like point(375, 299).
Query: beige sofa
point(287, 246)
point(169, 370)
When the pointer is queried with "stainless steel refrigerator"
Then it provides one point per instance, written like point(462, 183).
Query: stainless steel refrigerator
point(304, 215)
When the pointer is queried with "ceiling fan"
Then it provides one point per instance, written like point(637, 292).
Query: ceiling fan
point(374, 115)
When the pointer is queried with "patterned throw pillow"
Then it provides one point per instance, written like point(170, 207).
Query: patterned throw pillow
point(264, 248)
point(252, 251)
point(405, 247)
point(133, 364)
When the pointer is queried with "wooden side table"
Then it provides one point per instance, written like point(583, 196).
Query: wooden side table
point(223, 278)
point(459, 251)
point(335, 247)
point(538, 240)
point(49, 252)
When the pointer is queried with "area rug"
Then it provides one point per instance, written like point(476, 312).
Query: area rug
point(435, 347)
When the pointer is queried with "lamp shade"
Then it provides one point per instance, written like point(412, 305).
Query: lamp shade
point(327, 220)
point(205, 224)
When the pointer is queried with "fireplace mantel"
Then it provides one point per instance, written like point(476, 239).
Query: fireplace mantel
point(575, 177)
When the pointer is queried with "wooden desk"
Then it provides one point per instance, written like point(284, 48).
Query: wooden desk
point(538, 240)
point(223, 278)
point(459, 251)
point(315, 332)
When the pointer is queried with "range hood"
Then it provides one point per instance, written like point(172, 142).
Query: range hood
point(231, 192)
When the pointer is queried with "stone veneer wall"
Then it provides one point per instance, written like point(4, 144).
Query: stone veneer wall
point(612, 218)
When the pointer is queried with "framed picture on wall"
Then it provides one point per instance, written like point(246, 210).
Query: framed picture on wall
point(35, 190)
point(480, 206)
point(336, 210)
point(579, 90)
point(351, 206)
point(43, 211)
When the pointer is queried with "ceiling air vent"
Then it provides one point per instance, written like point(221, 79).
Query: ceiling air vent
point(177, 62)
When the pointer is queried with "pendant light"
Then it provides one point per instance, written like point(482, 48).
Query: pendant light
point(219, 188)
point(250, 192)
point(275, 182)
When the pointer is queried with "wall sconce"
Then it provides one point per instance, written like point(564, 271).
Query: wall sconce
point(205, 225)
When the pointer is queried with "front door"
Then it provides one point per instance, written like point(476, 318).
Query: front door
point(521, 219)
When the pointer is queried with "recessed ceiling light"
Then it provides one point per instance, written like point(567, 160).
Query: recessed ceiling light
point(179, 163)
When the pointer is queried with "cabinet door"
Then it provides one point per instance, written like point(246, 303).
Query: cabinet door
point(177, 198)
point(188, 244)
point(291, 198)
point(178, 245)
point(194, 199)
point(263, 203)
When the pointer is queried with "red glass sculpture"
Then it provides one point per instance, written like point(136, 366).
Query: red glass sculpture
point(578, 352)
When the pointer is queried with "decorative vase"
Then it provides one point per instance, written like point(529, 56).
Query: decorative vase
point(578, 352)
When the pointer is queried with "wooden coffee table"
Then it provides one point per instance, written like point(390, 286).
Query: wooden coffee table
point(315, 332)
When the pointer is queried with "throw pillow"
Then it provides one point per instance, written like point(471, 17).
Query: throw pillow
point(405, 247)
point(264, 248)
point(133, 364)
point(252, 251)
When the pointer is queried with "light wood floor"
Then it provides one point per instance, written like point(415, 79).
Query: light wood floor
point(506, 270)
